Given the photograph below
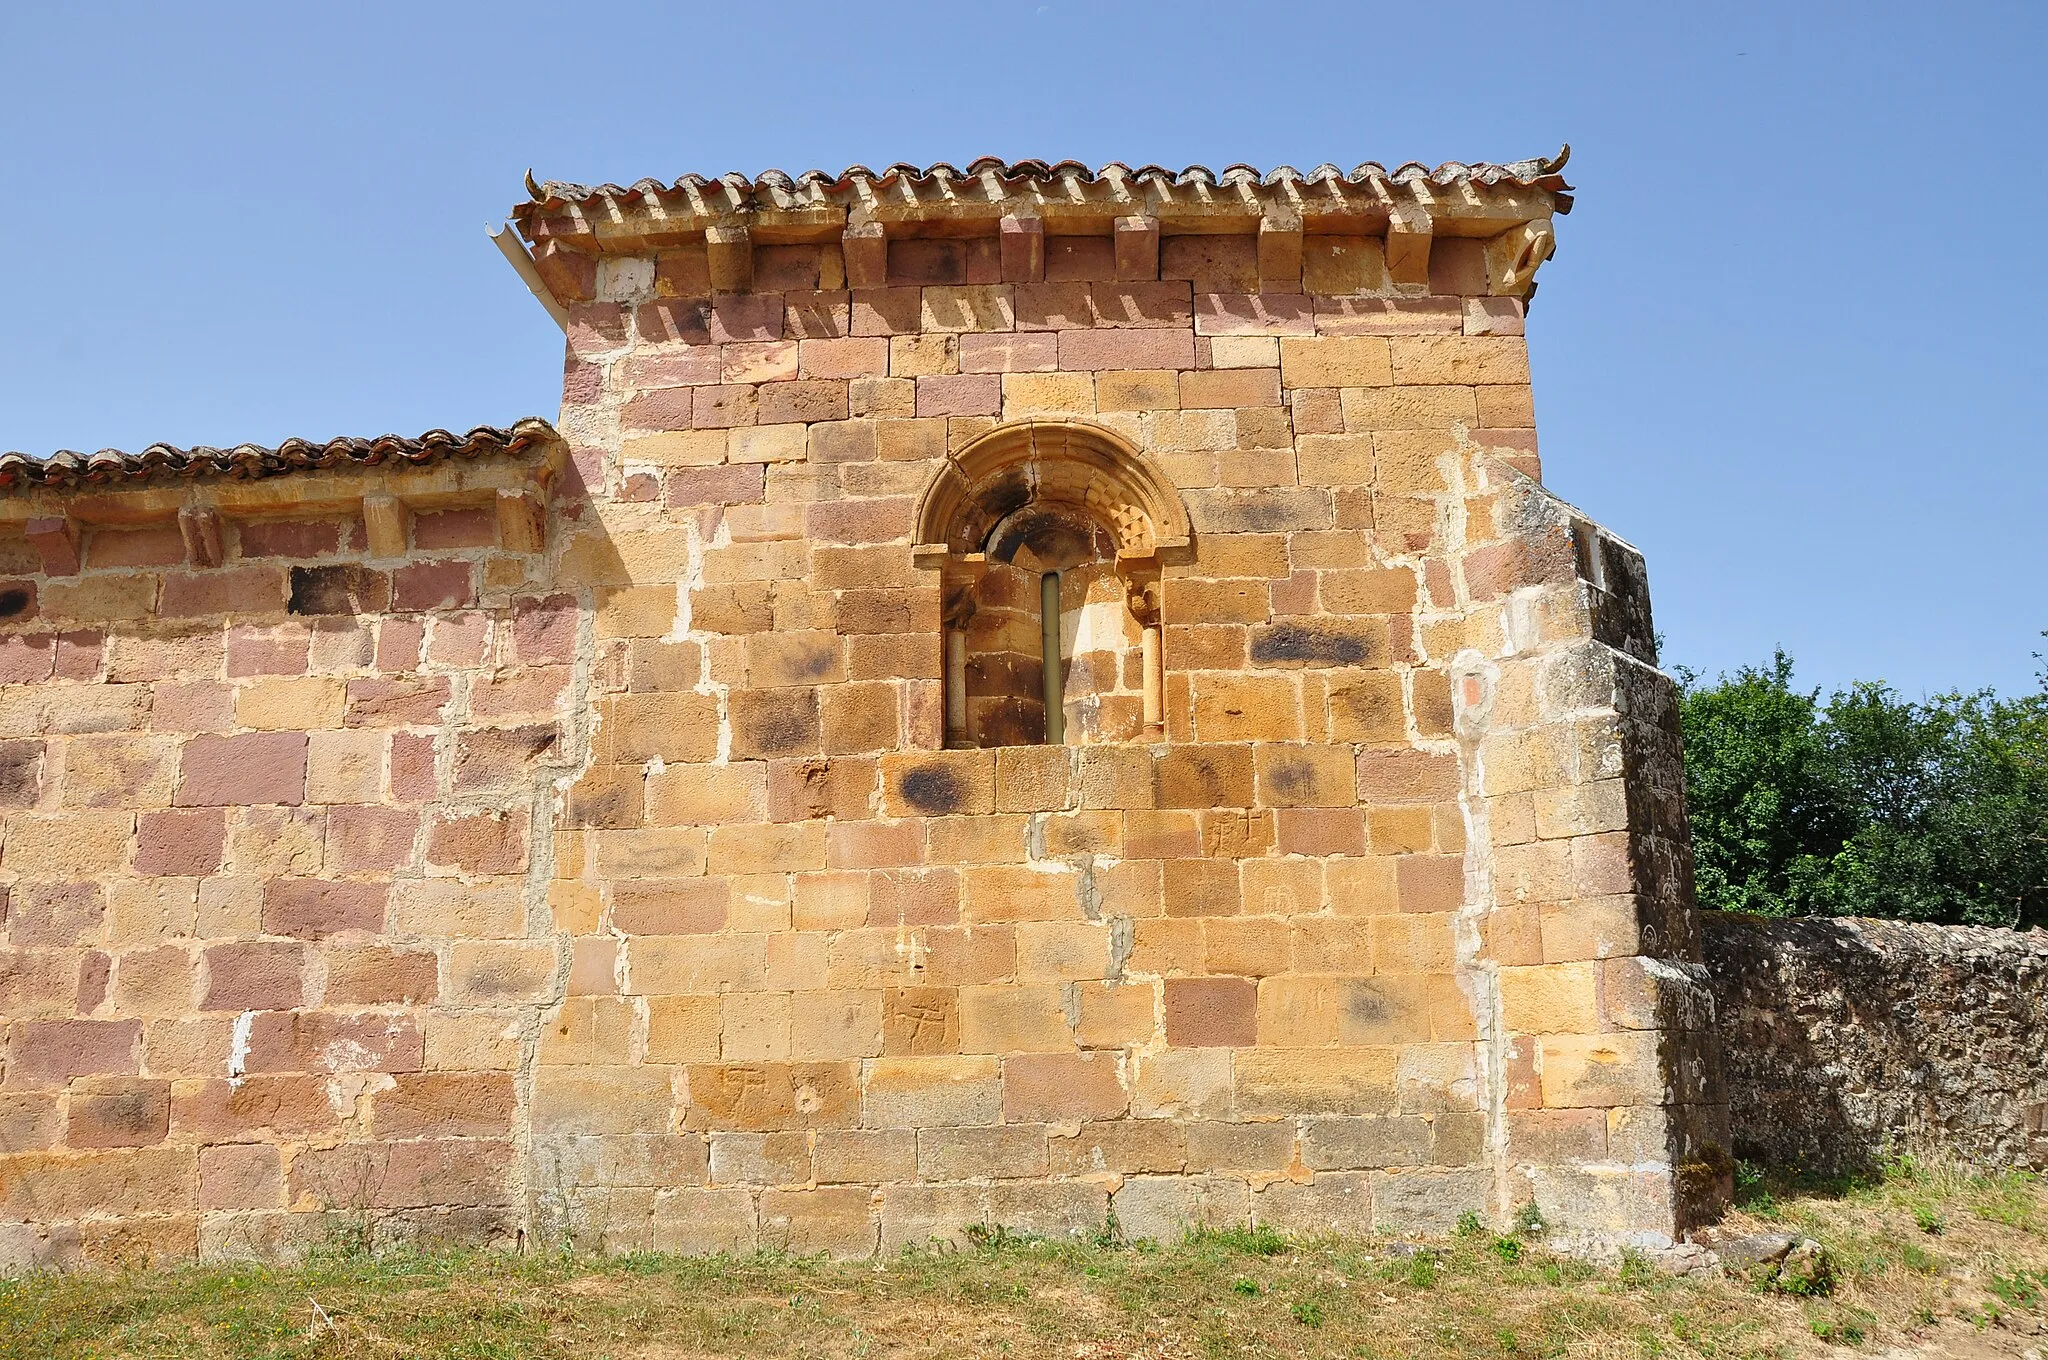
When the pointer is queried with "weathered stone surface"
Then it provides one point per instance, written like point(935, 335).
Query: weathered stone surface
point(1847, 1041)
point(677, 833)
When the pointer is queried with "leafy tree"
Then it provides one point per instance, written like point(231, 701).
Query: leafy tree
point(1760, 786)
point(1867, 804)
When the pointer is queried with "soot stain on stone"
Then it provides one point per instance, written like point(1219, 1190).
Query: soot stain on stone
point(20, 780)
point(1293, 642)
point(334, 590)
point(16, 601)
point(1294, 778)
point(819, 663)
point(1365, 1005)
point(1007, 494)
point(1203, 769)
point(781, 730)
point(933, 790)
point(317, 590)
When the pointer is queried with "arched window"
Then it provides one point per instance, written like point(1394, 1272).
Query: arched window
point(1048, 538)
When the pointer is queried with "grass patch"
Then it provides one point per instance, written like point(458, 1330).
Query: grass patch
point(1220, 1292)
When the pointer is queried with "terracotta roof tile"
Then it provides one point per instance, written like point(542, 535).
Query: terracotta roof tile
point(163, 462)
point(1538, 174)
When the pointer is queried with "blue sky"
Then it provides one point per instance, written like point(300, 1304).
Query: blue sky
point(1792, 344)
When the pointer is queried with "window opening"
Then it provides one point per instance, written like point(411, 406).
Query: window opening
point(1048, 540)
point(1050, 670)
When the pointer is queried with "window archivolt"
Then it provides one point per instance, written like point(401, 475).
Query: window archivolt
point(1048, 537)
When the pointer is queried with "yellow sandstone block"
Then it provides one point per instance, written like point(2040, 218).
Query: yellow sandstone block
point(690, 965)
point(767, 444)
point(1558, 998)
point(1143, 389)
point(636, 611)
point(923, 356)
point(575, 906)
point(1335, 361)
point(140, 910)
point(1463, 360)
point(1062, 951)
point(833, 1025)
point(345, 766)
point(589, 1030)
point(1048, 394)
point(923, 1092)
point(1621, 1068)
point(1013, 1019)
point(754, 1027)
point(1249, 946)
point(1412, 461)
point(767, 848)
point(1286, 1082)
point(500, 972)
point(296, 703)
point(1410, 408)
point(1117, 1014)
point(679, 448)
point(1244, 351)
point(66, 846)
point(682, 1029)
point(705, 795)
point(128, 771)
point(471, 1041)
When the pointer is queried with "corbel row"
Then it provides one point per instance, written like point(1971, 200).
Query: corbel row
point(59, 540)
point(1513, 255)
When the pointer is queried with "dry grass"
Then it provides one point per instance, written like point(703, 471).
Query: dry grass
point(1924, 1258)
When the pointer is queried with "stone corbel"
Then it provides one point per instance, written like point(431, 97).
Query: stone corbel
point(1280, 249)
point(866, 247)
point(1137, 249)
point(55, 522)
point(730, 250)
point(522, 520)
point(386, 521)
point(55, 539)
point(200, 526)
point(1409, 228)
point(1513, 257)
point(1023, 248)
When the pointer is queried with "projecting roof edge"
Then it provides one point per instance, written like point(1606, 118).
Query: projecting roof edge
point(990, 180)
point(159, 463)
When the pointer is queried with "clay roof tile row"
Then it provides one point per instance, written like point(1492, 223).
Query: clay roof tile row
point(1540, 174)
point(68, 471)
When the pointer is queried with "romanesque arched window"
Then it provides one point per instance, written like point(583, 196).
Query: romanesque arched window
point(1048, 536)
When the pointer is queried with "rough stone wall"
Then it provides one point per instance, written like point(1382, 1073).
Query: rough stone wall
point(1847, 1041)
point(622, 891)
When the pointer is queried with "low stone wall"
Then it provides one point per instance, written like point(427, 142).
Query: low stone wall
point(1848, 1040)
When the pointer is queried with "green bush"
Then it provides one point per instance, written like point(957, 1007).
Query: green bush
point(1867, 803)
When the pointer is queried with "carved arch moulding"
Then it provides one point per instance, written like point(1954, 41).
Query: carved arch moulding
point(1048, 536)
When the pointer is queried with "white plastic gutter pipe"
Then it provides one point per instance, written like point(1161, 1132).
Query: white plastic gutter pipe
point(515, 254)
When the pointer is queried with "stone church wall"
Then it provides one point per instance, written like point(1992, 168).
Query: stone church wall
point(572, 845)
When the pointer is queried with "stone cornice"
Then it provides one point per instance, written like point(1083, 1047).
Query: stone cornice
point(1454, 199)
point(56, 502)
point(160, 464)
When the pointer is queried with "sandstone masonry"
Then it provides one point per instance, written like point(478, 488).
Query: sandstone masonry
point(1015, 694)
